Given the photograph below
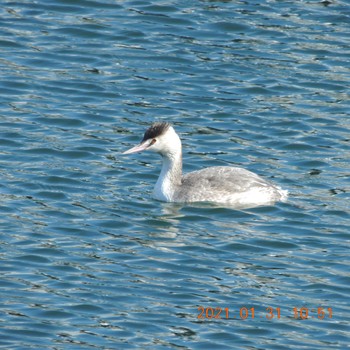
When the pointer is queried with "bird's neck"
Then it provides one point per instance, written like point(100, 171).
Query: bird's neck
point(170, 176)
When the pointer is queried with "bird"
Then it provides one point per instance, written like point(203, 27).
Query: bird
point(224, 185)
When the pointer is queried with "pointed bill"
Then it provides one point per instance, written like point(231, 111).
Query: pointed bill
point(139, 148)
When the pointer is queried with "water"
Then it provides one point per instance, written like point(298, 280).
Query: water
point(89, 259)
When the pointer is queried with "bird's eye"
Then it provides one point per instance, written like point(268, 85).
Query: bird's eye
point(153, 142)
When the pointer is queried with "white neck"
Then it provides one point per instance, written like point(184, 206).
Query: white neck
point(170, 176)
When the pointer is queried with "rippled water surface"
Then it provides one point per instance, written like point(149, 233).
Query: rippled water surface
point(88, 259)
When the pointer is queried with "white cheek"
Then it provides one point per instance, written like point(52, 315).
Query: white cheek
point(156, 147)
point(153, 148)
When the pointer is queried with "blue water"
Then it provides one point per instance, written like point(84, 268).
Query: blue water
point(88, 259)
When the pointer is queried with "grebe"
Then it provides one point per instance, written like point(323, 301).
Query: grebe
point(231, 186)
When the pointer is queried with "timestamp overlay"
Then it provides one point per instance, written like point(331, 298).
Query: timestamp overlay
point(268, 313)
